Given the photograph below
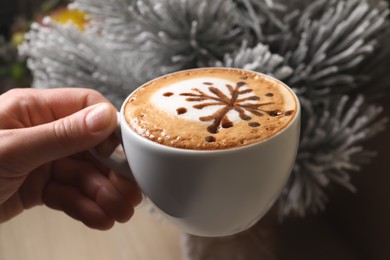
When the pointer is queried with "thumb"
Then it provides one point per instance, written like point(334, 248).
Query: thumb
point(75, 133)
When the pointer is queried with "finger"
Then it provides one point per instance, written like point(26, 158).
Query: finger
point(66, 101)
point(31, 190)
point(96, 186)
point(31, 107)
point(75, 204)
point(107, 147)
point(37, 145)
point(114, 204)
point(126, 187)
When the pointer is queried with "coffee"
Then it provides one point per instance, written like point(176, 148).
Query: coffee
point(210, 109)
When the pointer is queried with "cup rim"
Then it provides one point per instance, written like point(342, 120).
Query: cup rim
point(292, 122)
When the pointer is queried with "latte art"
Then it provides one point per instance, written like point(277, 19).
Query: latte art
point(213, 108)
point(207, 99)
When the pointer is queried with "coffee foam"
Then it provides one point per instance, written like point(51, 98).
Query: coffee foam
point(171, 103)
point(213, 108)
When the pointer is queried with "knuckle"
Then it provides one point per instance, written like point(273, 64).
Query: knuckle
point(65, 132)
point(16, 92)
point(5, 148)
point(92, 97)
point(94, 93)
point(12, 161)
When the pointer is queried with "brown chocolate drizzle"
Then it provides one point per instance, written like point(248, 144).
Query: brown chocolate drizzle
point(269, 95)
point(226, 123)
point(289, 112)
point(210, 139)
point(181, 110)
point(231, 102)
point(167, 94)
point(218, 117)
point(248, 91)
point(254, 124)
point(208, 83)
point(274, 112)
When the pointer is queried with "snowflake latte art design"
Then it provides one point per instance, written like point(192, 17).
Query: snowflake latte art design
point(210, 108)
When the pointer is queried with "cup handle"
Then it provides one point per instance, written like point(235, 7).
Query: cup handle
point(117, 160)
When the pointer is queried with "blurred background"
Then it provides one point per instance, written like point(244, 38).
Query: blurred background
point(354, 225)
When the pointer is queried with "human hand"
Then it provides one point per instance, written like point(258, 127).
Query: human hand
point(44, 138)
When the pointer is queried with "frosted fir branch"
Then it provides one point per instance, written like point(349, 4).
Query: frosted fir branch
point(63, 56)
point(258, 59)
point(332, 43)
point(330, 148)
point(109, 12)
point(264, 18)
point(113, 19)
point(187, 33)
point(180, 34)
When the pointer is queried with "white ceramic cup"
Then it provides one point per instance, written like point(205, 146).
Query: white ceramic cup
point(215, 192)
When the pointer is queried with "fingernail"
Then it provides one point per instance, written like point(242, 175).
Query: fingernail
point(98, 117)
